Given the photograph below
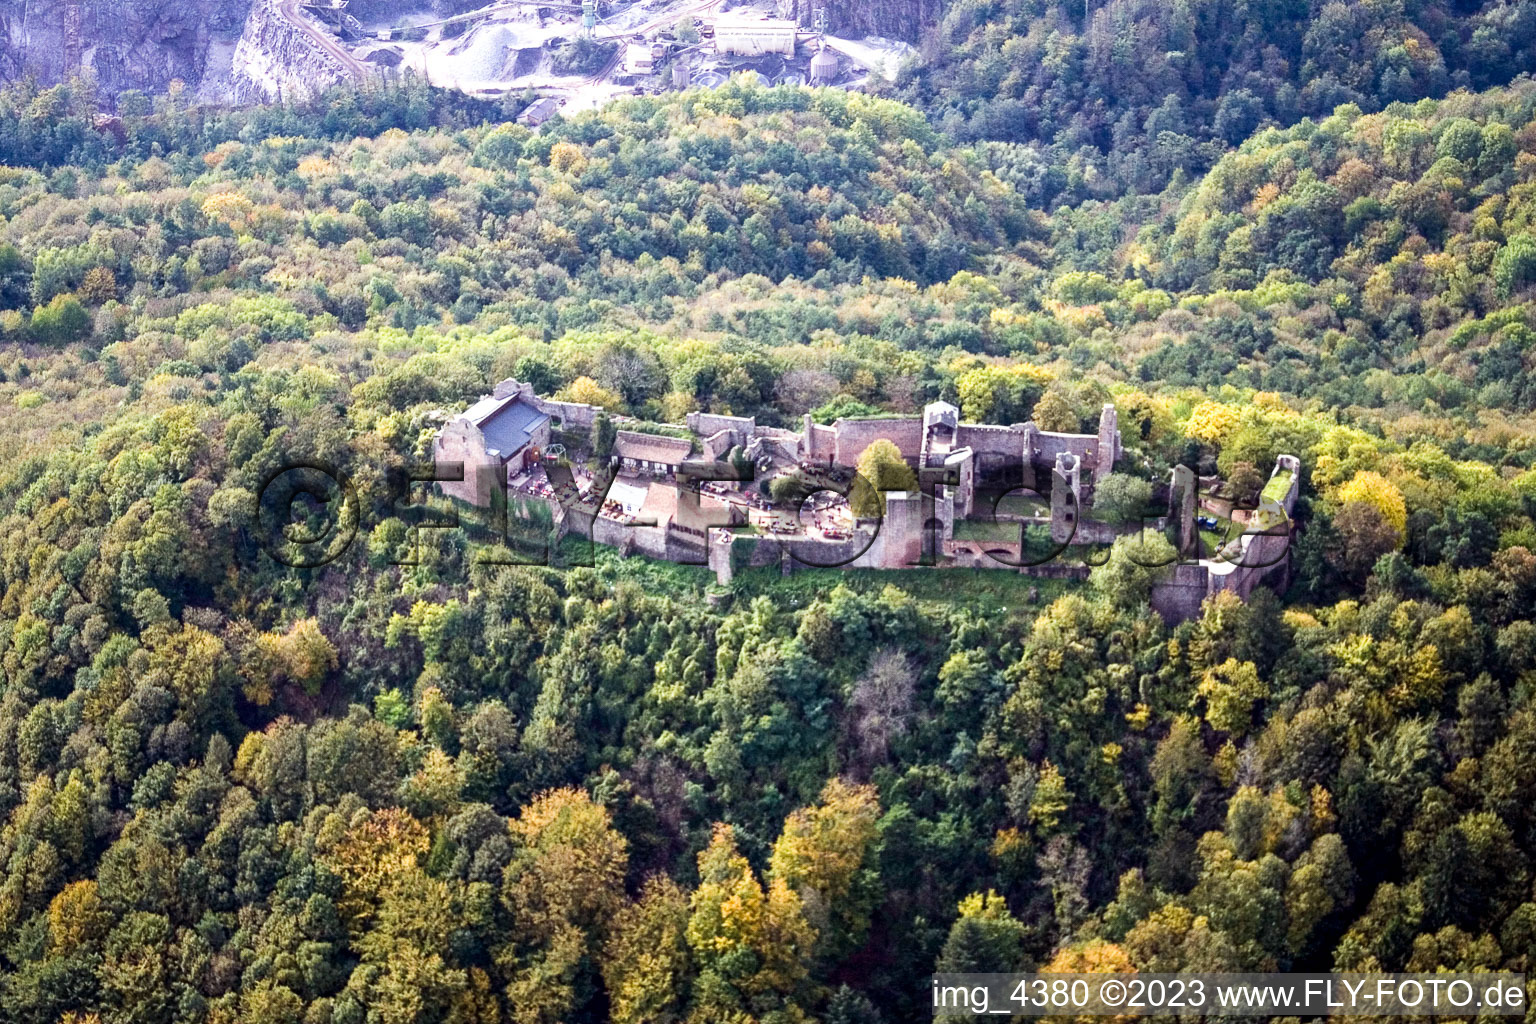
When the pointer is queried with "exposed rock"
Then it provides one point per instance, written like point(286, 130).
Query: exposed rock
point(384, 56)
point(124, 44)
point(276, 61)
point(893, 19)
point(369, 10)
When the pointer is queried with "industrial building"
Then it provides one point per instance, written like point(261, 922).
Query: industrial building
point(823, 67)
point(639, 59)
point(750, 37)
point(539, 111)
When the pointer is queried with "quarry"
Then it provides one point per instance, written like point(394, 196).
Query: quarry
point(576, 54)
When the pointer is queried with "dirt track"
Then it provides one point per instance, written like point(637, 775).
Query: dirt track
point(289, 9)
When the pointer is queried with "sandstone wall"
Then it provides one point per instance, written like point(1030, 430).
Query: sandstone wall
point(461, 442)
point(704, 423)
point(853, 436)
point(1179, 595)
point(572, 415)
point(990, 439)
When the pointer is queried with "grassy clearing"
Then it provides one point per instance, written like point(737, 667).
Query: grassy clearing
point(1279, 485)
point(992, 533)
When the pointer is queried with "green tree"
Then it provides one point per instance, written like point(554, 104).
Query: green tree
point(62, 321)
point(1120, 498)
point(881, 468)
point(1054, 413)
point(1135, 563)
point(985, 939)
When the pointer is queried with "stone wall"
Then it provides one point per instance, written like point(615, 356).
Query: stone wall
point(461, 441)
point(572, 415)
point(718, 444)
point(705, 423)
point(979, 438)
point(819, 443)
point(1083, 447)
point(1092, 531)
point(1183, 493)
point(1180, 594)
point(854, 436)
point(902, 533)
point(1108, 443)
point(650, 541)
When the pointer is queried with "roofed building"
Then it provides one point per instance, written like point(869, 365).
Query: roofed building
point(754, 37)
point(650, 453)
point(539, 111)
point(639, 59)
point(498, 436)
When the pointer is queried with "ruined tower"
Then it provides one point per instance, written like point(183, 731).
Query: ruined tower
point(1066, 496)
point(1109, 443)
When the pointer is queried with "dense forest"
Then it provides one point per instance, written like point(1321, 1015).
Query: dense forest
point(1099, 98)
point(433, 788)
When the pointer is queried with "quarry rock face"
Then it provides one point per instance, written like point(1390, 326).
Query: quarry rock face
point(893, 19)
point(123, 44)
point(274, 60)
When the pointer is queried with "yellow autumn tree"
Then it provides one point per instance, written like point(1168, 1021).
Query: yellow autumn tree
point(991, 394)
point(881, 468)
point(230, 208)
point(315, 166)
point(730, 915)
point(589, 392)
point(1376, 490)
point(1230, 691)
point(1093, 957)
point(567, 158)
point(568, 866)
point(826, 854)
point(1054, 413)
point(1144, 416)
point(379, 850)
point(1051, 799)
point(302, 656)
point(1212, 423)
point(402, 921)
point(563, 887)
point(76, 918)
point(645, 963)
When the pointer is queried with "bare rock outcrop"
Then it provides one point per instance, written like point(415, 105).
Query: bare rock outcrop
point(123, 44)
point(277, 60)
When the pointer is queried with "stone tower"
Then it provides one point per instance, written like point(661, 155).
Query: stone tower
point(1066, 497)
point(1182, 502)
point(901, 532)
point(1109, 443)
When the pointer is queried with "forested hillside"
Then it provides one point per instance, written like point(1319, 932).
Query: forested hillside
point(461, 791)
point(1108, 97)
